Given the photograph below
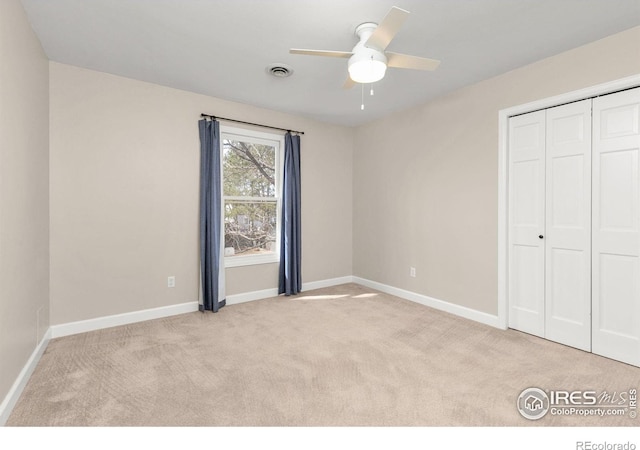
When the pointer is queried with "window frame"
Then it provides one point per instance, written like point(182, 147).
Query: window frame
point(263, 138)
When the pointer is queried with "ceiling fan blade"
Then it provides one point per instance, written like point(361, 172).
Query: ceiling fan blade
point(387, 29)
point(330, 53)
point(348, 83)
point(410, 62)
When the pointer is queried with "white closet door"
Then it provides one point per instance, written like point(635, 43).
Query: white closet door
point(526, 219)
point(616, 226)
point(568, 225)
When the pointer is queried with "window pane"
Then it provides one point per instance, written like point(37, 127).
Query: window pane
point(250, 228)
point(249, 169)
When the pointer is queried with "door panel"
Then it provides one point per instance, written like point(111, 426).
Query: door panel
point(618, 174)
point(526, 222)
point(618, 287)
point(616, 226)
point(567, 183)
point(527, 290)
point(526, 210)
point(568, 225)
point(566, 282)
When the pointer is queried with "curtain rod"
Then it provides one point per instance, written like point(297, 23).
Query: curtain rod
point(251, 123)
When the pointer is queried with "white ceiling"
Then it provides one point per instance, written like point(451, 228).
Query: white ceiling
point(222, 47)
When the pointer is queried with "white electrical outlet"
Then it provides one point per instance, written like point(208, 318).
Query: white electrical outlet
point(171, 281)
point(412, 272)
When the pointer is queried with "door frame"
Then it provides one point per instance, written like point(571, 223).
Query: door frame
point(503, 166)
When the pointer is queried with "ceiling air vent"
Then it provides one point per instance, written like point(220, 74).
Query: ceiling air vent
point(279, 70)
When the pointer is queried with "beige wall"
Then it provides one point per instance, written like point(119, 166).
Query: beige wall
point(24, 192)
point(425, 180)
point(123, 180)
point(124, 195)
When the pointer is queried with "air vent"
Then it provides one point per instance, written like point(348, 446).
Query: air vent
point(279, 70)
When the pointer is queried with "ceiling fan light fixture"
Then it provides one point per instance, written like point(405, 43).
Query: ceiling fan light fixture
point(367, 67)
point(369, 59)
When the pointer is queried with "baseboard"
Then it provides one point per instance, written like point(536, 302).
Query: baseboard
point(326, 283)
point(234, 299)
point(462, 311)
point(99, 323)
point(18, 386)
point(82, 326)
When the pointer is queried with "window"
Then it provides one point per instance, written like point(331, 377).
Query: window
point(251, 173)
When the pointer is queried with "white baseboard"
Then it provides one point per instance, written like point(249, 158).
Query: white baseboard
point(268, 293)
point(83, 326)
point(99, 323)
point(326, 283)
point(234, 299)
point(18, 386)
point(462, 311)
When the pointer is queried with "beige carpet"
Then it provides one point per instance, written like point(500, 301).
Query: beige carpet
point(346, 355)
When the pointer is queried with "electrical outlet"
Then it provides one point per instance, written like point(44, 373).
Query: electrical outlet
point(171, 281)
point(412, 272)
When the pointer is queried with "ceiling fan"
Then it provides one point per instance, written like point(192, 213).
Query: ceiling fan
point(368, 61)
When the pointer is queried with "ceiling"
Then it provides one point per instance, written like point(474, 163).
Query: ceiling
point(222, 47)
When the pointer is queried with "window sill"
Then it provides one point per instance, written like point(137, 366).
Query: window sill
point(250, 260)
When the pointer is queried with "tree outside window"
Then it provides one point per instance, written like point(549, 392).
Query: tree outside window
point(251, 171)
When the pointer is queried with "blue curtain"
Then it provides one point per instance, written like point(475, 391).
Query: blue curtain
point(211, 224)
point(290, 240)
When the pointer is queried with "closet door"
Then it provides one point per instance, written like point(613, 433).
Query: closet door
point(526, 222)
point(616, 226)
point(568, 225)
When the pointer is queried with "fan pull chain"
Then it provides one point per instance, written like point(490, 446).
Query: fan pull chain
point(362, 98)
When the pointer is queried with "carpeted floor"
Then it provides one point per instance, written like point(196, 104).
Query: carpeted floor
point(346, 355)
